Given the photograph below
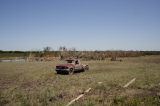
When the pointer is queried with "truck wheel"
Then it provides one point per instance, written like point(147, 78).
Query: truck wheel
point(83, 69)
point(71, 71)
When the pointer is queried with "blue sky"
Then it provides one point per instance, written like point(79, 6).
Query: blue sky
point(83, 24)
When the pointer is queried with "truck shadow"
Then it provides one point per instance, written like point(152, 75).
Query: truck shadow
point(66, 73)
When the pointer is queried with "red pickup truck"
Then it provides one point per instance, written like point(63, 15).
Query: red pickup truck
point(70, 66)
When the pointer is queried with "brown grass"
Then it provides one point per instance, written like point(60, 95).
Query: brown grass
point(37, 84)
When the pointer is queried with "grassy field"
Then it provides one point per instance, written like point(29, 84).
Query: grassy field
point(37, 84)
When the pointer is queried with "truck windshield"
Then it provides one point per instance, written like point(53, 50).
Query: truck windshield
point(69, 61)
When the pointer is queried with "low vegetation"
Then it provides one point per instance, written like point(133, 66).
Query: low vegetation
point(47, 54)
point(37, 84)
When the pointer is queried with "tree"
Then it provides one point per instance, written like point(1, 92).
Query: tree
point(62, 48)
point(47, 49)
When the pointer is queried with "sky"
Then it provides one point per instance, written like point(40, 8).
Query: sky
point(82, 24)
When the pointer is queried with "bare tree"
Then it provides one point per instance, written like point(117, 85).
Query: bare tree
point(47, 49)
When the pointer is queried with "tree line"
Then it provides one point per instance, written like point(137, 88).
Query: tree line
point(64, 52)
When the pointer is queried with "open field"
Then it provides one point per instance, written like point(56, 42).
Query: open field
point(37, 84)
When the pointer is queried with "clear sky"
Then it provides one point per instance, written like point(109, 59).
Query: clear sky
point(83, 24)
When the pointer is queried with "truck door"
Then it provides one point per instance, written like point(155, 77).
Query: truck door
point(77, 66)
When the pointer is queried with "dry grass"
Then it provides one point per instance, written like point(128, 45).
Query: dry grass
point(37, 84)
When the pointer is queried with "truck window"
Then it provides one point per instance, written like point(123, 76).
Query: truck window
point(69, 61)
point(76, 62)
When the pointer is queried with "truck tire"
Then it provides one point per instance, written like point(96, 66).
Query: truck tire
point(71, 71)
point(83, 69)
